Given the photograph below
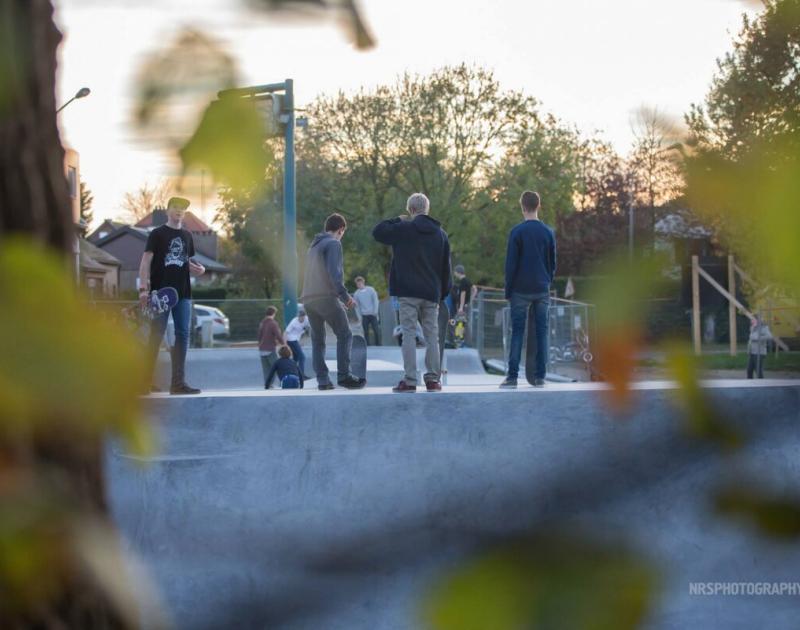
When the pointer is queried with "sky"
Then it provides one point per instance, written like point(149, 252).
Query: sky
point(590, 63)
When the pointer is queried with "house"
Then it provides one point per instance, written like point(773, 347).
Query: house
point(126, 243)
point(99, 271)
point(104, 229)
point(205, 239)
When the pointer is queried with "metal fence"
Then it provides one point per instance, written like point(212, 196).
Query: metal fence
point(570, 330)
point(233, 321)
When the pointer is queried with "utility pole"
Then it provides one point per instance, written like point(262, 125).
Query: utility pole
point(279, 117)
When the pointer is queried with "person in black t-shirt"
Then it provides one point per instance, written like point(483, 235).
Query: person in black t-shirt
point(167, 262)
point(462, 290)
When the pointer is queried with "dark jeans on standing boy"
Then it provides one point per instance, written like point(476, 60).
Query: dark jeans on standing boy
point(329, 310)
point(520, 303)
point(371, 321)
point(181, 316)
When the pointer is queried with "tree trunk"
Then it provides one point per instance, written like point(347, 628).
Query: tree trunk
point(34, 198)
point(35, 202)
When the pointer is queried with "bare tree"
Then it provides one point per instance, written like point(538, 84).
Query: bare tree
point(655, 160)
point(141, 203)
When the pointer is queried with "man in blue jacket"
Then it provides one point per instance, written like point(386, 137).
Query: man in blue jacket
point(530, 269)
point(324, 299)
point(419, 278)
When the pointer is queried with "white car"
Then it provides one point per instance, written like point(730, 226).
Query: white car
point(220, 324)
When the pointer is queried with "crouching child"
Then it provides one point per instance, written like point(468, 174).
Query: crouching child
point(287, 371)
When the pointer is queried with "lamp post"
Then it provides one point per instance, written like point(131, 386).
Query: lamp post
point(82, 93)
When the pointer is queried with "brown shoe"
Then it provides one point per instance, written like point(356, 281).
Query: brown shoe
point(433, 386)
point(402, 388)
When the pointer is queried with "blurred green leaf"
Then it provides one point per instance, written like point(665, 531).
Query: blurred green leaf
point(621, 297)
point(776, 515)
point(547, 582)
point(348, 10)
point(60, 361)
point(230, 142)
point(175, 84)
point(700, 419)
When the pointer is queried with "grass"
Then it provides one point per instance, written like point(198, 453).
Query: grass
point(783, 362)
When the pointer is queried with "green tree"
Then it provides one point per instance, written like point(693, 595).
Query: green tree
point(745, 140)
point(755, 95)
point(440, 134)
point(87, 199)
point(542, 156)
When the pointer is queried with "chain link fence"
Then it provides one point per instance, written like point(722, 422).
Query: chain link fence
point(570, 330)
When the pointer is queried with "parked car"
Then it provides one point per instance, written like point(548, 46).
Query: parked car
point(220, 324)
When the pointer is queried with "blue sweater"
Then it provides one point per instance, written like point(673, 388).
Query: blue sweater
point(530, 259)
point(283, 367)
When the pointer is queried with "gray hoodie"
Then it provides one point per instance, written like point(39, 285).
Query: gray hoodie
point(324, 270)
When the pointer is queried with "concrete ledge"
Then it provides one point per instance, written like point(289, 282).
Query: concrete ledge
point(336, 509)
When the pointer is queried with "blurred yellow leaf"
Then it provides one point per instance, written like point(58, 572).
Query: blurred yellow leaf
point(548, 582)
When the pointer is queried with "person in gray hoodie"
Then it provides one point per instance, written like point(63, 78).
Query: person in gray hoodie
point(325, 299)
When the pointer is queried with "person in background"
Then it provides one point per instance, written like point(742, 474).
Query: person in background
point(369, 306)
point(462, 291)
point(298, 327)
point(420, 278)
point(757, 347)
point(167, 262)
point(287, 371)
point(530, 269)
point(269, 340)
point(325, 299)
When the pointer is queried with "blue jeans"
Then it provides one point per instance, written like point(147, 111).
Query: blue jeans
point(298, 355)
point(181, 316)
point(520, 303)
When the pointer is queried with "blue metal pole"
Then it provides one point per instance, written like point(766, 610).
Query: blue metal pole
point(289, 213)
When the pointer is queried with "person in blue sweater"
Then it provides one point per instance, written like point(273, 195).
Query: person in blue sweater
point(530, 269)
point(286, 369)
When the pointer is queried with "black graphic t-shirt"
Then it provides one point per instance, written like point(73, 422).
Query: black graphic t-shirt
point(170, 267)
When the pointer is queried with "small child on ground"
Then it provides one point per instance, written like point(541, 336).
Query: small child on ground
point(286, 369)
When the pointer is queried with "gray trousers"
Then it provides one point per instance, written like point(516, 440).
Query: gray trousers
point(427, 312)
point(330, 311)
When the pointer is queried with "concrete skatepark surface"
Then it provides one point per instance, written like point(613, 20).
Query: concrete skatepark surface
point(240, 368)
point(337, 510)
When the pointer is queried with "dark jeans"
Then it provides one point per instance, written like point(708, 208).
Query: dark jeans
point(181, 316)
point(298, 355)
point(520, 303)
point(371, 321)
point(329, 311)
point(755, 365)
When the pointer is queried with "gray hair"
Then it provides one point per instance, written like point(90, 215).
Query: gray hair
point(418, 204)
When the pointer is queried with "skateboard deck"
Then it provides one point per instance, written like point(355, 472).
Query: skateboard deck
point(530, 346)
point(358, 357)
point(160, 302)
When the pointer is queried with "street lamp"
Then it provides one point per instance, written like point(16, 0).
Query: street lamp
point(82, 93)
